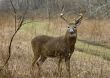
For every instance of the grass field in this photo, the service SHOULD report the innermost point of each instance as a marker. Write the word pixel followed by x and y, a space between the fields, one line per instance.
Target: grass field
pixel 91 58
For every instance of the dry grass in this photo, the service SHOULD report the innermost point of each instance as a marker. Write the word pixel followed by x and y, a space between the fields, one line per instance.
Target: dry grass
pixel 95 30
pixel 82 65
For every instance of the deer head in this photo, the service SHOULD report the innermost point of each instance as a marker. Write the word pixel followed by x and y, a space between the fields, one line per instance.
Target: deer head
pixel 72 27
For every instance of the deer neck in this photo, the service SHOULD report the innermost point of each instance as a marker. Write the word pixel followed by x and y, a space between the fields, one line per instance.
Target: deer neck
pixel 70 41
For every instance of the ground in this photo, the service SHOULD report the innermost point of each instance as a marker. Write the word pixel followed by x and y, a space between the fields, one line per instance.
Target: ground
pixel 91 58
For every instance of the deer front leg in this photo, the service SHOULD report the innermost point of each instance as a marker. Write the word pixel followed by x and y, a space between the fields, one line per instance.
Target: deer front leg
pixel 59 67
pixel 67 62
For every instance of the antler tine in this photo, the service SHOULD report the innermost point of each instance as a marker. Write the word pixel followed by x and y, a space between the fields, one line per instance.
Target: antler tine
pixel 79 18
pixel 62 15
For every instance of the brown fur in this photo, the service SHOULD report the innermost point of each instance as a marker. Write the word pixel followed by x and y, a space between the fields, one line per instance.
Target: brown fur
pixel 53 46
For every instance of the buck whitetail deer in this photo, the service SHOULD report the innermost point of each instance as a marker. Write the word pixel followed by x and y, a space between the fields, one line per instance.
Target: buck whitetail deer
pixel 62 47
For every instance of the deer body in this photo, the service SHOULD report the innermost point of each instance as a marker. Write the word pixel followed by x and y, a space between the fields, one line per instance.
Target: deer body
pixel 61 47
pixel 38 42
pixel 53 46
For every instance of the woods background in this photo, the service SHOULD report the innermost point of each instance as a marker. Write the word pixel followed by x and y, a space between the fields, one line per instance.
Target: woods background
pixel 91 8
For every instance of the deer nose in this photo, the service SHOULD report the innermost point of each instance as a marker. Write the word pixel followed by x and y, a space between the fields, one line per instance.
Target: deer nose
pixel 71 30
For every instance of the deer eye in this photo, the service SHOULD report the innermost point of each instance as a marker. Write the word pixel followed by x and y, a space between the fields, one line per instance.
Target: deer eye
pixel 74 27
pixel 68 27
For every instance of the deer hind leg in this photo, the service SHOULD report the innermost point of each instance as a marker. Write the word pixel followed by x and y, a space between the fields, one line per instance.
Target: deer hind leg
pixel 35 59
pixel 41 60
pixel 39 63
pixel 36 52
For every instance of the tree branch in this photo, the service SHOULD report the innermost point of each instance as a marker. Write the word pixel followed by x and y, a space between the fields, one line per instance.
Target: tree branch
pixel 19 26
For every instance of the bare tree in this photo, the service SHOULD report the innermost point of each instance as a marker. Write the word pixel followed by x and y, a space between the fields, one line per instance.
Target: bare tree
pixel 17 28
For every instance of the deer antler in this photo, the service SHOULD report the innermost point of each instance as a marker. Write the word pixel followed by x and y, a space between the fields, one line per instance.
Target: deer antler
pixel 78 20
pixel 62 15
